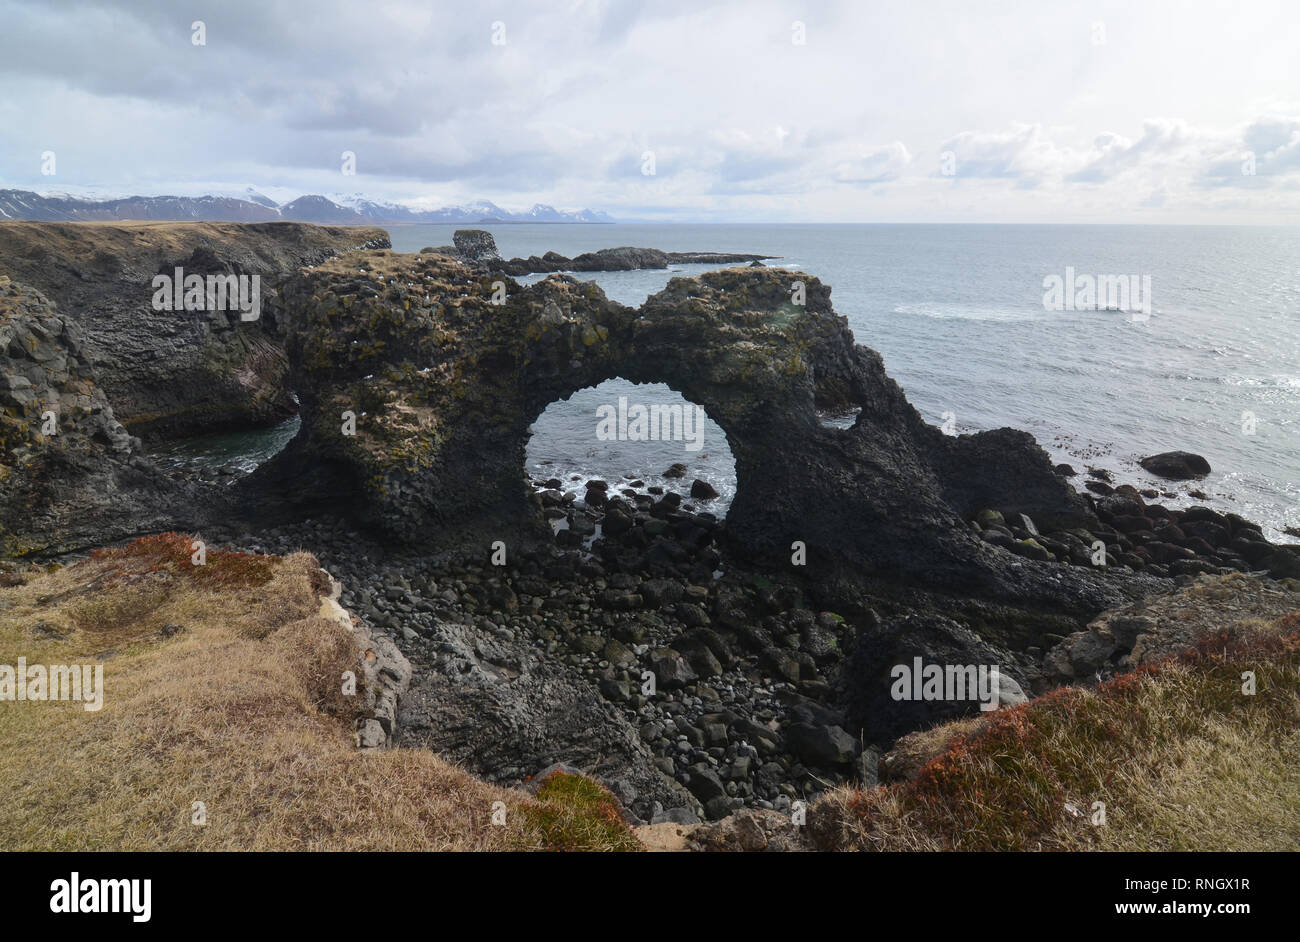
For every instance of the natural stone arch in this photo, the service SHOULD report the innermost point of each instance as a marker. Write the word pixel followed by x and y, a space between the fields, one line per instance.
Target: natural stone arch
pixel 358 339
pixel 445 384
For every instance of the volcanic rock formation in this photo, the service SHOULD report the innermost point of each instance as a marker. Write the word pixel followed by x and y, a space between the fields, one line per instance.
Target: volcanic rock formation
pixel 173 373
pixel 418 391
pixel 69 472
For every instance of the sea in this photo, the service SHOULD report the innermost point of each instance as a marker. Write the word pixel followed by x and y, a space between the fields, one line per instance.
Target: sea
pixel 963 316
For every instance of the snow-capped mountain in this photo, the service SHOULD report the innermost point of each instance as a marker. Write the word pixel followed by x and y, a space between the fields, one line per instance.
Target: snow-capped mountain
pixel 252 206
pixel 253 196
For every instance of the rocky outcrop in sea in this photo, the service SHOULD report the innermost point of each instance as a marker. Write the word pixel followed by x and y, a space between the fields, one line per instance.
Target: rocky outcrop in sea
pixel 478 248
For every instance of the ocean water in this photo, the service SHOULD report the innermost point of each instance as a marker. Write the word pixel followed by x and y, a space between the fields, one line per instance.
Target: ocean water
pixel 235 451
pixel 957 312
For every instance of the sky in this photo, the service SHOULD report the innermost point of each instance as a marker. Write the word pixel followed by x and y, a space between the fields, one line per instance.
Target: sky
pixel 745 111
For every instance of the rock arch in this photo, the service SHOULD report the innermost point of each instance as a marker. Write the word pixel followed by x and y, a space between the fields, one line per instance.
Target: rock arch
pixel 444 384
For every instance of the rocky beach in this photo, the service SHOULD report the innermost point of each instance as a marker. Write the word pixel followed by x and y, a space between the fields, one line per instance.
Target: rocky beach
pixel 696 665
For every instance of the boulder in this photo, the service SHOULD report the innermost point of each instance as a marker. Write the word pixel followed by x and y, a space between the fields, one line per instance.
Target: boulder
pixel 1177 465
pixel 702 490
pixel 820 746
pixel 869 677
pixel 750 831
pixel 672 671
pixel 475 246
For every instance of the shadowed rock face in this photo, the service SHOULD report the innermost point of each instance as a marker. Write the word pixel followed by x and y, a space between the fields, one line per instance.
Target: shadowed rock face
pixel 444 385
pixel 69 472
pixel 172 374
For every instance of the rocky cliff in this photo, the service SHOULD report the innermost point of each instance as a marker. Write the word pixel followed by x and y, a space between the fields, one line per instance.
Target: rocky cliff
pixel 173 373
pixel 69 472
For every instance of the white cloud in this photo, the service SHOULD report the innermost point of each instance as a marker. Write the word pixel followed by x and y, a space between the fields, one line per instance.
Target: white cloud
pixel 875 164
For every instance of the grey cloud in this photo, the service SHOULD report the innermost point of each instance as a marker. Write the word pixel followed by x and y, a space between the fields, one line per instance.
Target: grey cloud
pixel 734 113
pixel 1116 155
pixel 1271 144
pixel 875 165
pixel 1001 155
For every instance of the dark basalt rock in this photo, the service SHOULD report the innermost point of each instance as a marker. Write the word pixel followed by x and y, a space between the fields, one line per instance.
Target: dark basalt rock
pixel 171 374
pixel 444 385
pixel 476 245
pixel 495 707
pixel 703 490
pixel 821 746
pixel 868 680
pixel 80 481
pixel 1177 465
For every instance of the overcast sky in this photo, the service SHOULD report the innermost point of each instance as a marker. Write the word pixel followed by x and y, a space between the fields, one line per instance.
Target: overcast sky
pixel 904 111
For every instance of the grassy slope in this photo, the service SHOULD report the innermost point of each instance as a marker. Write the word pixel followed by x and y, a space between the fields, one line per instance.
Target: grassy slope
pixel 242 710
pixel 1181 757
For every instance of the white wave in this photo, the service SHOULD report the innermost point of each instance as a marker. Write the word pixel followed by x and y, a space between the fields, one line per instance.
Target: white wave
pixel 969 313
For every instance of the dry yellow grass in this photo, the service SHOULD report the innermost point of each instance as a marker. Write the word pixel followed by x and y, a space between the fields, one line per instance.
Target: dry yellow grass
pixel 242 710
pixel 1180 757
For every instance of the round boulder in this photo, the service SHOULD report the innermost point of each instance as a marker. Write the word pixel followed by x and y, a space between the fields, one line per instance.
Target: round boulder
pixel 1177 465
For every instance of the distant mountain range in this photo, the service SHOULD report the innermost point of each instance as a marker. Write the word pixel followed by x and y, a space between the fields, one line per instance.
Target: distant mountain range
pixel 254 207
